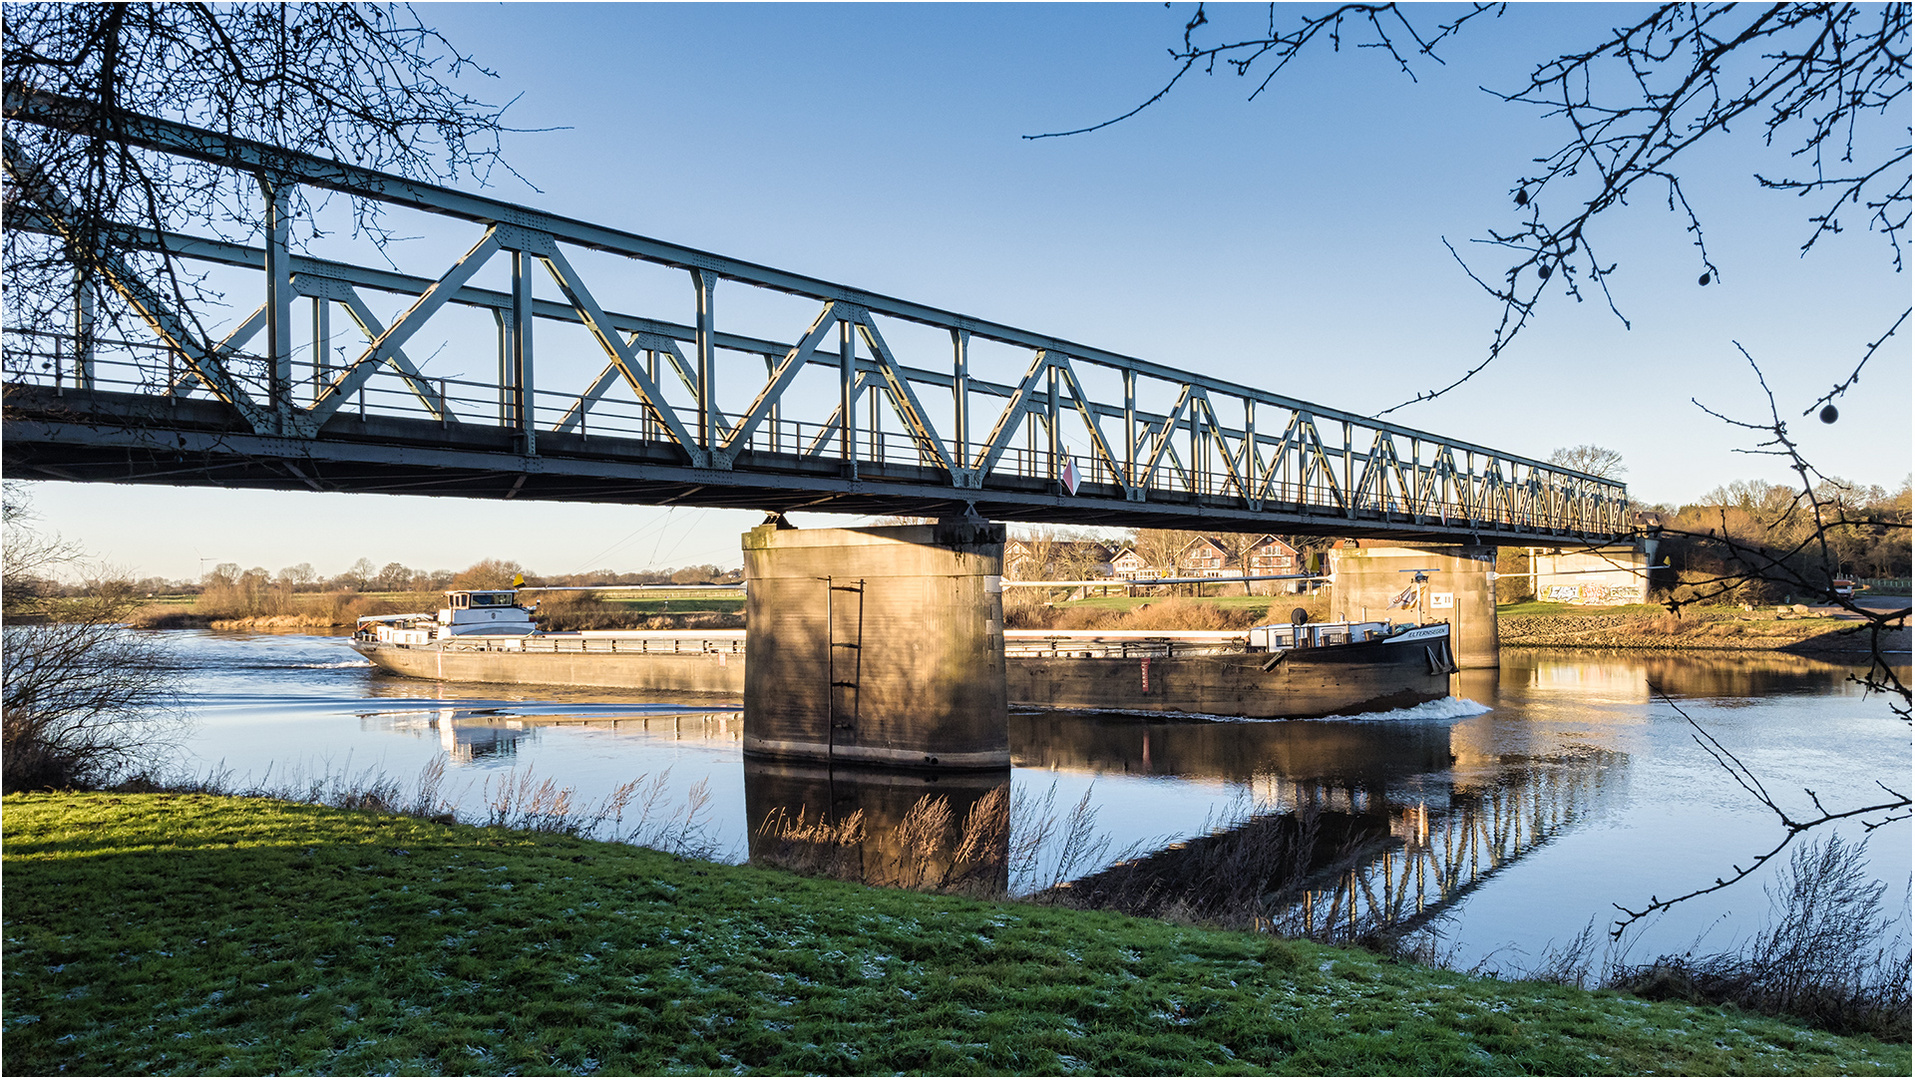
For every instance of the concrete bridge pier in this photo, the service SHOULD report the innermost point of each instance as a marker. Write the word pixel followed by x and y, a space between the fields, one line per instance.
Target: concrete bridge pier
pixel 879 646
pixel 1368 581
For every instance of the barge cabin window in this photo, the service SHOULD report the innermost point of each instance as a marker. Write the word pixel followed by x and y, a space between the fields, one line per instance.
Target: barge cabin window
pixel 482 599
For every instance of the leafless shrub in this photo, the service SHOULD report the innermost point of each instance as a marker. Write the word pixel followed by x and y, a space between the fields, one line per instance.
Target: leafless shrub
pixel 1820 958
pixel 685 830
pixel 984 837
pixel 1046 850
pixel 85 702
pixel 921 837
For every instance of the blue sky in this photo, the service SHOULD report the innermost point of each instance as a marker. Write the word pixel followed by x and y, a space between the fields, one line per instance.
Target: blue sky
pixel 1293 242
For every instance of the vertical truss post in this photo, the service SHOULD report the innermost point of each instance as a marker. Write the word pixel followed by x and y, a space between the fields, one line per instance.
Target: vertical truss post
pixel 1130 431
pixel 1349 470
pixel 1050 423
pixel 82 328
pixel 1416 480
pixel 279 302
pixel 1195 466
pixel 502 318
pixel 704 282
pixel 648 428
pixel 771 370
pixel 322 345
pixel 875 420
pixel 1469 484
pixel 961 397
pixel 848 397
pixel 1251 470
pixel 519 353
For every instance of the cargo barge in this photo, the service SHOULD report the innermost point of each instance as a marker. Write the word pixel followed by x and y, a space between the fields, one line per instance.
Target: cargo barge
pixel 1267 672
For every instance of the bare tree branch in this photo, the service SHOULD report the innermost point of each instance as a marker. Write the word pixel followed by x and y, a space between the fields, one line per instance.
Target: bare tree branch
pixel 1792 826
pixel 1829 80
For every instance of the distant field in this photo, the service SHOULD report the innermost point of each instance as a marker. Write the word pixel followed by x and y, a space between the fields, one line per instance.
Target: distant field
pixel 680 603
pixel 1131 603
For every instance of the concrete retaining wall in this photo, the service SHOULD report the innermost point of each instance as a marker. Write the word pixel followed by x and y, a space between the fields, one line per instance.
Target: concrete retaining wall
pixel 1459 591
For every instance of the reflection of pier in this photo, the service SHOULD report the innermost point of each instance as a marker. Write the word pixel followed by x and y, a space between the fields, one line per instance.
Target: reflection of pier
pixel 471 735
pixel 949 831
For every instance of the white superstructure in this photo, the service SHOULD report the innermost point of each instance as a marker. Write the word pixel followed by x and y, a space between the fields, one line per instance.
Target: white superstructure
pixel 467 611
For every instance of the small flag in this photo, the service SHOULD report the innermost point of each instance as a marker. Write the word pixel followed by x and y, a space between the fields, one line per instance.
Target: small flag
pixel 518 580
pixel 1406 598
pixel 1070 476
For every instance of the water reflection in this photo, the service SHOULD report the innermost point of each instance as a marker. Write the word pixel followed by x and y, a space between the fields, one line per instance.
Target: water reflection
pixel 1719 674
pixel 1351 827
pixel 1522 824
pixel 1432 859
pixel 473 735
pixel 1318 750
pixel 947 831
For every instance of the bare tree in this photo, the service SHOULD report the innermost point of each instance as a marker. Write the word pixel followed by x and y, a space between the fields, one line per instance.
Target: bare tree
pixel 1594 460
pixel 32 560
pixel 371 85
pixel 83 700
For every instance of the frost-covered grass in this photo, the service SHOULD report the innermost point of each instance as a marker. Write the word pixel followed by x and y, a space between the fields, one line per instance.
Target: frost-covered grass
pixel 204 934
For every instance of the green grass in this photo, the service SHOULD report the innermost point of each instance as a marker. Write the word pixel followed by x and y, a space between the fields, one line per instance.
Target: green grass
pixel 202 934
pixel 679 605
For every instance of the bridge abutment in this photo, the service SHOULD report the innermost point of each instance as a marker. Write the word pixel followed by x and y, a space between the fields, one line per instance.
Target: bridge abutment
pixel 879 646
pixel 1369 580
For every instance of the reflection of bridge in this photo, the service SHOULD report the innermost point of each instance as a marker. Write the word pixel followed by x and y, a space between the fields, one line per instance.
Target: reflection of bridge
pixel 818 395
pixel 1433 859
pixel 1348 834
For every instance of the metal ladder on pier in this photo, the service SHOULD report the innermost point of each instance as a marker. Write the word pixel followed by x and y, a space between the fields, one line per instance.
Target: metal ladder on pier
pixel 833 683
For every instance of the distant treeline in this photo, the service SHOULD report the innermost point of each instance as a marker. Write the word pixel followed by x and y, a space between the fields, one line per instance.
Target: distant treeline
pixel 1743 525
pixel 228 587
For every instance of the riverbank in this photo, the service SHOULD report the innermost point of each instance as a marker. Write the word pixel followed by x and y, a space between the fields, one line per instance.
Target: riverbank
pixel 1648 627
pixel 203 934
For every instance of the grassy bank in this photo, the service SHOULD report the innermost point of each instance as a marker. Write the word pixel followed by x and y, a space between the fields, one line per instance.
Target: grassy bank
pixel 202 934
pixel 1649 627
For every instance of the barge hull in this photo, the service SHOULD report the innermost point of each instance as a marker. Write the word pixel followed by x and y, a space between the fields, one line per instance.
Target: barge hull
pixel 721 673
pixel 1331 680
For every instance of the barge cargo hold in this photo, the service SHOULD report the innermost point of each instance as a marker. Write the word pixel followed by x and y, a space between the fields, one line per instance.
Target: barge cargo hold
pixel 1270 672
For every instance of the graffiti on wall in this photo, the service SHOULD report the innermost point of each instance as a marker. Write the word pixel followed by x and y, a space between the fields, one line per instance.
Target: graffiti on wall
pixel 1596 594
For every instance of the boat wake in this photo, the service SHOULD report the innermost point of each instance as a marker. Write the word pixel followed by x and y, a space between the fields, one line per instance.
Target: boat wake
pixel 1449 708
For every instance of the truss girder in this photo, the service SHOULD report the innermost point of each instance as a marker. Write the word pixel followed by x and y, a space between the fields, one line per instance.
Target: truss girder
pixel 1177 449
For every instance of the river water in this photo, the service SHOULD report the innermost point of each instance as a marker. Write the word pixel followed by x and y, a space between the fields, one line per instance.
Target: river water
pixel 1515 813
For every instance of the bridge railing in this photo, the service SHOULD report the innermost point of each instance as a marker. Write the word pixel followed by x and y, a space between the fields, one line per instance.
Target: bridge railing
pixel 149 368
pixel 858 390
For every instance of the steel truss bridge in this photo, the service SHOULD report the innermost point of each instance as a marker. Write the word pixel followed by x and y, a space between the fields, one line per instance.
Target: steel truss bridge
pixel 861 403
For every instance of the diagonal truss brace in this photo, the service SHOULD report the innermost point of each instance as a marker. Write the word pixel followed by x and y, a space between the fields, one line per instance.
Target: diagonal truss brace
pixel 205 361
